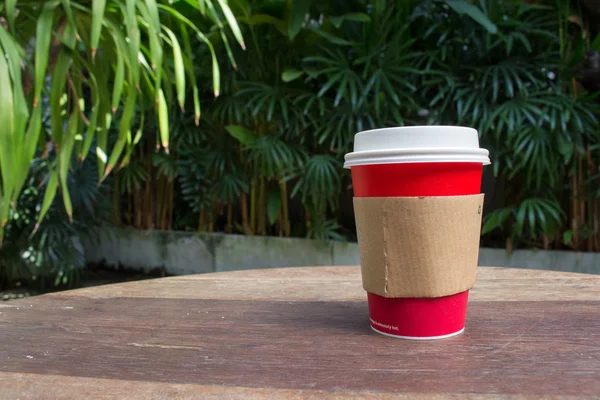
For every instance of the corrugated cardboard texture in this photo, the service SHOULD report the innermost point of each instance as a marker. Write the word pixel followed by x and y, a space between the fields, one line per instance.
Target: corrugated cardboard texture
pixel 418 246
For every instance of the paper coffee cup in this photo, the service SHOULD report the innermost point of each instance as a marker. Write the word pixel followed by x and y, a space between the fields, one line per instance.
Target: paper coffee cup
pixel 418 213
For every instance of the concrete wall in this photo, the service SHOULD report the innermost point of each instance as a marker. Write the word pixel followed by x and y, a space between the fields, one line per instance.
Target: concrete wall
pixel 555 260
pixel 182 253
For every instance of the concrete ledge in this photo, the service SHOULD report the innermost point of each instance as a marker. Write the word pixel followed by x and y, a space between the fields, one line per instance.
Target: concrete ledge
pixel 181 253
pixel 345 253
pixel 237 252
pixel 555 260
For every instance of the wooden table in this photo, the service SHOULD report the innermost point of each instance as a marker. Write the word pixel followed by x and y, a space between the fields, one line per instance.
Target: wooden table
pixel 298 333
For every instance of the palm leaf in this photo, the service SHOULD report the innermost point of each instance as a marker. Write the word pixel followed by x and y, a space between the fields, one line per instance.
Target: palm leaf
pixel 11 10
pixel 179 67
pixel 163 120
pixel 149 12
pixel 118 83
pixel 42 47
pixel 66 4
pixel 49 195
pixel 7 138
pixel 233 23
pixel 124 128
pixel 215 65
pixel 297 14
pixel 188 60
pixel 98 7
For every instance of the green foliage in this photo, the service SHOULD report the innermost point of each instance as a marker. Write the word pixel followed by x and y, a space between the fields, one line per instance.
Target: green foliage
pixel 473 11
pixel 76 78
pixel 320 181
pixel 531 219
pixel 317 73
pixel 53 257
pixel 245 136
pixel 100 56
pixel 296 81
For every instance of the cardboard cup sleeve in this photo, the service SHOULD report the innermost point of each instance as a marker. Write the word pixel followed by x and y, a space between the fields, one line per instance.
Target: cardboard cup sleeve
pixel 418 246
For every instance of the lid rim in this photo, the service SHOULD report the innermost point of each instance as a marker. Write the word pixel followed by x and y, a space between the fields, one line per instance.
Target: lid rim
pixel 417 150
pixel 419 127
pixel 380 157
pixel 421 161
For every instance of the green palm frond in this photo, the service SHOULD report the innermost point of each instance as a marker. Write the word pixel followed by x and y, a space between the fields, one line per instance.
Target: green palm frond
pixel 105 57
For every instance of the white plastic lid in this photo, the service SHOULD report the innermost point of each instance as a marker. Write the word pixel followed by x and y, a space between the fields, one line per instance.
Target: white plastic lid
pixel 416 144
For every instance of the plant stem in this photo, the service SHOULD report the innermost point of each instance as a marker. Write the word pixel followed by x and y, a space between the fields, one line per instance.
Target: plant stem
pixel 228 227
pixel 285 218
pixel 201 220
pixel 149 194
pixel 244 209
pixel 261 205
pixel 596 224
pixel 129 216
pixel 280 222
pixel 590 202
pixel 170 205
pixel 509 245
pixel 137 208
pixel 164 210
pixel 575 208
pixel 115 206
pixel 160 199
pixel 253 207
pixel 581 190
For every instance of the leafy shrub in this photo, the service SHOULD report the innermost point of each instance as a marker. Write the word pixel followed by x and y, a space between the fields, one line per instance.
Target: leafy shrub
pixel 52 257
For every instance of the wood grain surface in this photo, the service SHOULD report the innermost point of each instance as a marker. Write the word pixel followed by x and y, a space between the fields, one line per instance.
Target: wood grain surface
pixel 298 333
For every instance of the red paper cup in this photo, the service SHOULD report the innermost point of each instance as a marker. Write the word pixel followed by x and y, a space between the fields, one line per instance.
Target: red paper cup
pixel 412 162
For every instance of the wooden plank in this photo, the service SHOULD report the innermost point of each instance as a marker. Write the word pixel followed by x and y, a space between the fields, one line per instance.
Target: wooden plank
pixel 298 333
pixel 344 284
pixel 56 387
pixel 537 348
pixel 34 386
